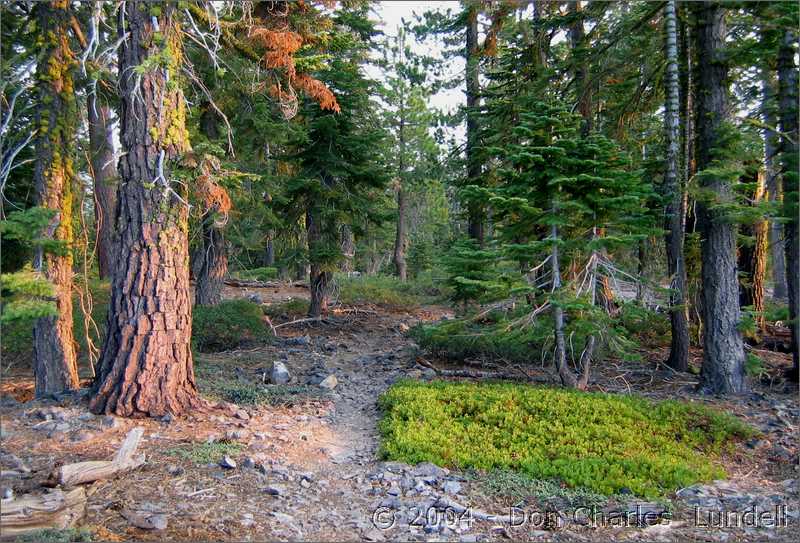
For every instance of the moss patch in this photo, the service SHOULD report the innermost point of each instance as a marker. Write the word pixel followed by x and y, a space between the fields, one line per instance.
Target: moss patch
pixel 601 442
pixel 204 453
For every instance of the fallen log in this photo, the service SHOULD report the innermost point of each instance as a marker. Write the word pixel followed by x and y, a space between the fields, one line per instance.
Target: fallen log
pixel 252 283
pixel 85 472
pixel 29 513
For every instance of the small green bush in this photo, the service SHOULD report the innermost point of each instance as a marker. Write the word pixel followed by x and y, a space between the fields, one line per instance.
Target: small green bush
pixel 258 274
pixel 229 325
pixel 598 441
pixel 293 308
pixel 57 535
pixel 645 324
pixel 389 291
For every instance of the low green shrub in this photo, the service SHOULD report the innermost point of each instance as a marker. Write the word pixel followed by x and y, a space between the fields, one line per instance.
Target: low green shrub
pixel 518 485
pixel 390 291
pixel 57 535
pixel 229 325
pixel 602 442
pixel 257 274
pixel 293 308
pixel 646 325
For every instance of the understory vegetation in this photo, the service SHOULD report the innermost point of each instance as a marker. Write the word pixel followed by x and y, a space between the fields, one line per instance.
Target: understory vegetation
pixel 605 443
pixel 229 325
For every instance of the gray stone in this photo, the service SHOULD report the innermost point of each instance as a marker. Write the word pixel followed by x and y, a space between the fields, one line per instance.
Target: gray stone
pixel 81 436
pixel 329 382
pixel 374 535
pixel 427 469
pixel 451 487
pixel 275 490
pixel 247 520
pixel 393 491
pixel 249 463
pixel 14 462
pixel 227 462
pixel 279 374
pixel 256 298
pixel 86 416
pixel 300 340
pixel 7 493
pixel 172 469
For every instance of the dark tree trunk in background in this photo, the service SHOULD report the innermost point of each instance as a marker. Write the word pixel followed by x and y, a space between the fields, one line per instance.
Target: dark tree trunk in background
pixel 348 248
pixel 773 182
pixel 55 364
pixel 475 210
pixel 674 210
pixel 269 252
pixel 787 93
pixel 318 278
pixel 212 264
pixel 583 88
pixel 146 365
pixel 104 171
pixel 723 350
pixel 753 259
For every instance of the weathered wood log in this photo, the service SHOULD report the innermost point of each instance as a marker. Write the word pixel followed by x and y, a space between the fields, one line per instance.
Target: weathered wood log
pixel 56 509
pixel 85 472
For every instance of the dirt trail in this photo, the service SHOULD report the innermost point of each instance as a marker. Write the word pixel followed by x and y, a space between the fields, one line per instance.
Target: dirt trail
pixel 310 470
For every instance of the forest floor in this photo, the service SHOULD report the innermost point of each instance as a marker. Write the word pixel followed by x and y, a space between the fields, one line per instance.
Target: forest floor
pixel 307 463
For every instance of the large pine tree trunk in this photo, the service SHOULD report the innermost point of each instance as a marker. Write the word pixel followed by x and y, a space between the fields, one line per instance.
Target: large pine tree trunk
pixel 674 210
pixel 146 362
pixel 723 350
pixel 55 365
pixel 212 265
pixel 773 182
pixel 101 153
pixel 753 259
pixel 787 89
pixel 475 211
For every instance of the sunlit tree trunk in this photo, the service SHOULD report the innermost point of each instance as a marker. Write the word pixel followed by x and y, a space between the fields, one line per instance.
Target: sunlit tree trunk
pixel 146 362
pixel 753 258
pixel 674 192
pixel 723 349
pixel 54 358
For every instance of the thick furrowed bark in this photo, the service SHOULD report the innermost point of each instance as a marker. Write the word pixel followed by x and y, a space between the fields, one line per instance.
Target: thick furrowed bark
pixel 723 349
pixel 212 264
pixel 55 364
pixel 146 361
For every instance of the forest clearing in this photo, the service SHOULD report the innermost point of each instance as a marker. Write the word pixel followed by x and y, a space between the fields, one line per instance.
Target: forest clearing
pixel 321 270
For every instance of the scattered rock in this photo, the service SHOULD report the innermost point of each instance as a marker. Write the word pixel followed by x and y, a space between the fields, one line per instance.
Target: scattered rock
pixel 374 535
pixel 168 418
pixel 7 493
pixel 8 401
pixel 275 490
pixel 300 340
pixel 279 374
pixel 81 436
pixel 451 487
pixel 242 414
pixel 329 382
pixel 427 469
pixel 85 417
pixel 247 520
pixel 235 434
pixel 174 470
pixel 14 462
pixel 249 463
pixel 109 421
pixel 256 298
pixel 227 462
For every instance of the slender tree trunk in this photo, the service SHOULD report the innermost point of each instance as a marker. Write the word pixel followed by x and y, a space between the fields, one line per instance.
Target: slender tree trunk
pixel 101 152
pixel 400 235
pixel 564 372
pixel 269 252
pixel 674 210
pixel 475 210
pixel 787 91
pixel 723 350
pixel 348 248
pixel 146 362
pixel 773 182
pixel 582 84
pixel 212 265
pixel 753 259
pixel 318 278
pixel 54 360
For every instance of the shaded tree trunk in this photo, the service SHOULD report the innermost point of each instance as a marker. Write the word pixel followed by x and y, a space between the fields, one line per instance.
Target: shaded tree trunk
pixel 212 264
pixel 564 372
pixel 269 251
pixel 583 89
pixel 753 259
pixel 55 364
pixel 787 93
pixel 146 362
pixel 475 210
pixel 348 248
pixel 104 174
pixel 400 236
pixel 318 278
pixel 674 210
pixel 723 349
pixel 773 182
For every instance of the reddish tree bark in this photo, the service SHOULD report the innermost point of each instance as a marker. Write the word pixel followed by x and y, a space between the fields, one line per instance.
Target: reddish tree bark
pixel 146 366
pixel 101 154
pixel 212 264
